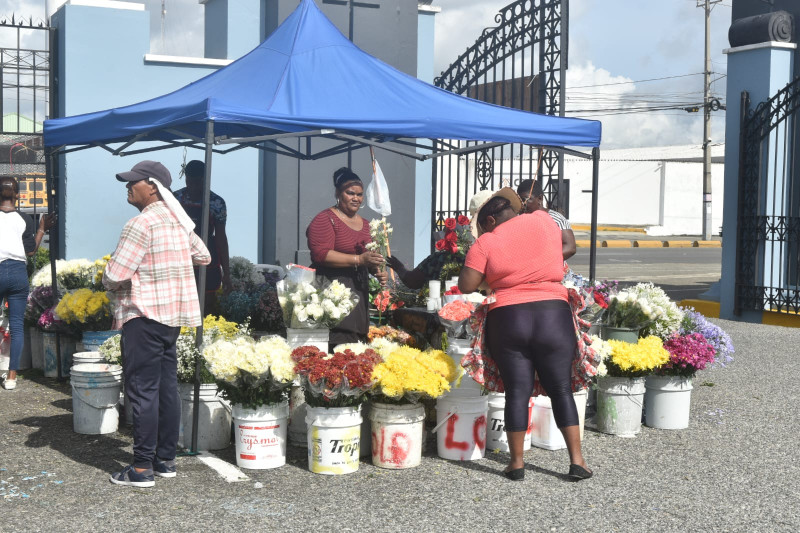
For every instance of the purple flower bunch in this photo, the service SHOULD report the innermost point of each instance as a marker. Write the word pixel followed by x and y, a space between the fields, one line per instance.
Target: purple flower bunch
pixel 47 321
pixel 687 354
pixel 39 300
pixel 694 322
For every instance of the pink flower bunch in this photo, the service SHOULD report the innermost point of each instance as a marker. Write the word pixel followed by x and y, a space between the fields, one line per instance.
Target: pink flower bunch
pixel 688 354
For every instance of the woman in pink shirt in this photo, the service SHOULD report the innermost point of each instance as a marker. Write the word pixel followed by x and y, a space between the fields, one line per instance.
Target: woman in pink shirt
pixel 529 327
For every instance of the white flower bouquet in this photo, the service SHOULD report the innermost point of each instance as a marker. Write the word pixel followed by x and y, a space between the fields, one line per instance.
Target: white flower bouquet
pixel 305 306
pixel 251 373
pixel 70 274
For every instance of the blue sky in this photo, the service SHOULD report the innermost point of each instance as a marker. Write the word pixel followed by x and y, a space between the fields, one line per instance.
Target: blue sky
pixel 612 44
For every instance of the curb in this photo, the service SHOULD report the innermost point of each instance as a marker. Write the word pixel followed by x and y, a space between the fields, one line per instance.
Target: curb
pixel 616 244
pixel 588 227
pixel 648 244
pixel 770 318
pixel 707 244
pixel 677 244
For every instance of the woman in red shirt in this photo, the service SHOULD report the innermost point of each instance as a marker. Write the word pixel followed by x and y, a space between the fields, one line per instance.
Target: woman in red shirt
pixel 529 327
pixel 337 238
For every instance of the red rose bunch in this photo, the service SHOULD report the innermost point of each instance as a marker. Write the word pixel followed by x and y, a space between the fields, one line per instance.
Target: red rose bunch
pixel 452 291
pixel 456 230
pixel 337 380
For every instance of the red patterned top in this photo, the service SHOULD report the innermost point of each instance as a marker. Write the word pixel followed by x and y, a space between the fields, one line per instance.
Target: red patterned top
pixel 328 232
pixel 521 259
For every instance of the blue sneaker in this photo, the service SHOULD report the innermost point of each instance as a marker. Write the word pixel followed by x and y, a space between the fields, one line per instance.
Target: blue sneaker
pixel 164 468
pixel 131 478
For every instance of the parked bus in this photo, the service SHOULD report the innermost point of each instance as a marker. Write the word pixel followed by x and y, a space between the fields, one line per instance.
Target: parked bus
pixel 32 191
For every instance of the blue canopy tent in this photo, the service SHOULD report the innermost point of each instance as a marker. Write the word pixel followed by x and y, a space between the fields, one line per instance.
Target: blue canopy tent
pixel 308 80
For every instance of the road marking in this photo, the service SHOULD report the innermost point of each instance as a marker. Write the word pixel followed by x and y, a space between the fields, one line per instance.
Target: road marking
pixel 227 471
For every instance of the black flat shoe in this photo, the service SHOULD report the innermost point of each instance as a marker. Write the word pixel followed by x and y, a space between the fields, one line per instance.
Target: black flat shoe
pixel 577 472
pixel 517 474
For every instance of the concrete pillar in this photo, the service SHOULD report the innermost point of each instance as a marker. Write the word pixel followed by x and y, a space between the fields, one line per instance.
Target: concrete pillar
pixel 762 69
pixel 233 27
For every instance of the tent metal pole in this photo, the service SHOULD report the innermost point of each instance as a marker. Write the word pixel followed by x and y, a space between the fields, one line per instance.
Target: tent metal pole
pixel 241 140
pixel 201 286
pixel 593 235
pixel 49 174
pixel 407 153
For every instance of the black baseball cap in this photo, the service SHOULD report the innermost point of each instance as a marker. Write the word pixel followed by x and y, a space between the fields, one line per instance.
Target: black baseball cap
pixel 147 169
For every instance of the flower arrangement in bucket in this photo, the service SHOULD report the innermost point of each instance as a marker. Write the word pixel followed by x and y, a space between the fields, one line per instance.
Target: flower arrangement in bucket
pixel 665 316
pixel 454 315
pixel 620 382
pixel 404 377
pixel 214 328
pixel 626 312
pixel 407 374
pixel 86 310
pixel 669 388
pixel 249 373
pixel 40 299
pixel 694 322
pixel 305 306
pixel 335 380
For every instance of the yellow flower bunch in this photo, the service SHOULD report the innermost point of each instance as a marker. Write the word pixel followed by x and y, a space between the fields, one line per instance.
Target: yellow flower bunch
pixel 225 328
pixel 86 308
pixel 100 266
pixel 634 360
pixel 407 373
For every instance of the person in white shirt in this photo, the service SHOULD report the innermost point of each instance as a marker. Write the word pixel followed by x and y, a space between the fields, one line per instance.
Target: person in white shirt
pixel 532 196
pixel 17 241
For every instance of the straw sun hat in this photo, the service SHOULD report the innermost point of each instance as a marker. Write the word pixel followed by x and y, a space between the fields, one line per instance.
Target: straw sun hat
pixel 481 198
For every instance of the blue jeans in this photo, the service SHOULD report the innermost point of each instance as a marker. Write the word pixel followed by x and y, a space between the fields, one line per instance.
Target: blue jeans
pixel 14 288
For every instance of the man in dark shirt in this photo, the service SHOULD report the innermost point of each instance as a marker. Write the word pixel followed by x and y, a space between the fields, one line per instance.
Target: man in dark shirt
pixel 191 199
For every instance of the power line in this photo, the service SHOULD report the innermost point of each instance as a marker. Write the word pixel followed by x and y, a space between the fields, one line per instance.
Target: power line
pixel 635 81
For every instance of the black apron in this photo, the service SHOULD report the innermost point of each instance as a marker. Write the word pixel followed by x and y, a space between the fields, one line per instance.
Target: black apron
pixel 355 326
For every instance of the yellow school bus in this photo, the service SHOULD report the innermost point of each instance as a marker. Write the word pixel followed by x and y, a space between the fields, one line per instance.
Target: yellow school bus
pixel 32 191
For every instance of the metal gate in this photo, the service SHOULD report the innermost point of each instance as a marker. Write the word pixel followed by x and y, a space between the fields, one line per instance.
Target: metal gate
pixel 25 103
pixel 520 63
pixel 768 234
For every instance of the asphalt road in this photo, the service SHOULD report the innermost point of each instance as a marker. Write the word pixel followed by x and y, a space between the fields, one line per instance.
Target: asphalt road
pixel 683 273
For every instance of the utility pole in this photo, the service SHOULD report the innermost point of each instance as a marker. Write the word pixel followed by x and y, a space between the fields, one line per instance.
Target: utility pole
pixel 707 5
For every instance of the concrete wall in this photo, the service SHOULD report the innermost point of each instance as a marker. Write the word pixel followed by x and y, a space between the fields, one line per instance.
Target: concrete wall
pixel 102 65
pixel 304 188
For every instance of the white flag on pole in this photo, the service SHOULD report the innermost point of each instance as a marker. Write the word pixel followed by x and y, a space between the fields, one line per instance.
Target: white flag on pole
pixel 377 191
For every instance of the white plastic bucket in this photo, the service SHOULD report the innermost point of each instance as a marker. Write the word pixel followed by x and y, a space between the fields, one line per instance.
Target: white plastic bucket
pixel 334 436
pixel 464 385
pixel 667 402
pixel 619 405
pixel 79 358
pixel 260 435
pixel 496 437
pixel 95 394
pixel 461 427
pixel 545 433
pixel 37 352
pixel 214 418
pixel 93 339
pixel 50 359
pixel 397 435
pixel 308 337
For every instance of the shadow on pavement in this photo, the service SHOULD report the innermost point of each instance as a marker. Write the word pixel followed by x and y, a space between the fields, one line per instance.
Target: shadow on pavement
pixel 105 452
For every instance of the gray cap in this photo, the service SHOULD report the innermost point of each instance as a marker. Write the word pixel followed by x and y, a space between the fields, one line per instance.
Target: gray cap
pixel 147 169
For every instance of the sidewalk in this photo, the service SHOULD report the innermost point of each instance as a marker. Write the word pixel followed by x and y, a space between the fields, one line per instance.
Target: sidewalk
pixel 734 469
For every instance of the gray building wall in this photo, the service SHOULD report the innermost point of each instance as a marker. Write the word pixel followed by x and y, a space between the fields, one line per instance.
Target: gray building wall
pixel 294 191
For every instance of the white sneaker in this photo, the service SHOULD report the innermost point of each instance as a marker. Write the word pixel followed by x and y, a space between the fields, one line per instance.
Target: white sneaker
pixel 9 384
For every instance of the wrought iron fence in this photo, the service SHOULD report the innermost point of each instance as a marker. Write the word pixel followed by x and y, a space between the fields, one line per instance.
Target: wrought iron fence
pixel 519 63
pixel 25 103
pixel 768 234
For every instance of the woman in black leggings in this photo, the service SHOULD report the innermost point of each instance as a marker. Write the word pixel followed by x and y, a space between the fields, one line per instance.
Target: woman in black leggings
pixel 529 327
